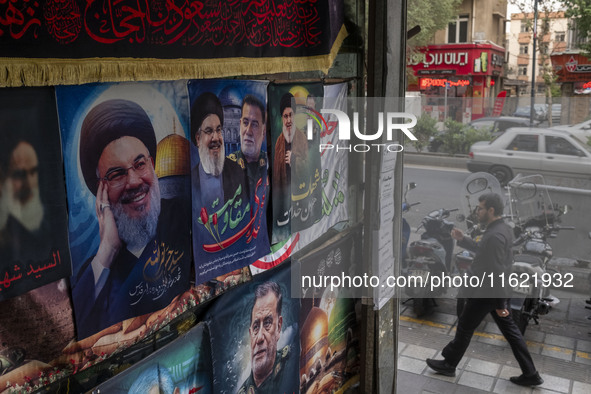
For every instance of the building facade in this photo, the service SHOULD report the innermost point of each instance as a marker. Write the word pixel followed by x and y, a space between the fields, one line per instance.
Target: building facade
pixel 461 71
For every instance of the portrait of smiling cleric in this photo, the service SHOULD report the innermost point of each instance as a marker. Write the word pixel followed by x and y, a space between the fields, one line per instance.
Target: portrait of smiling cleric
pixel 142 261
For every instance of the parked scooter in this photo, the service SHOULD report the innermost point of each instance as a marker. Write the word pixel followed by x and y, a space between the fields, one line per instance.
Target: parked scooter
pixel 430 256
pixel 536 220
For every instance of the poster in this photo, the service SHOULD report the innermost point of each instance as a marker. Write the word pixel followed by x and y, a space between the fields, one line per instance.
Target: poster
pixel 295 158
pixel 33 218
pixel 329 329
pixel 182 367
pixel 127 166
pixel 334 164
pixel 229 175
pixel 255 343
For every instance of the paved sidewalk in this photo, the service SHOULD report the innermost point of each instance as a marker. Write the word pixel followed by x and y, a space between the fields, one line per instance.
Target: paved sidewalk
pixel 560 347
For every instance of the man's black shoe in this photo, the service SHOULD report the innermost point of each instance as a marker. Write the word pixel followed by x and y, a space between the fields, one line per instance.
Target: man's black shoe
pixel 532 380
pixel 441 367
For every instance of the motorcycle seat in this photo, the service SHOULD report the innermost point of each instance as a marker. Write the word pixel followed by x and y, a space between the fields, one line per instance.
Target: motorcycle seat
pixel 529 259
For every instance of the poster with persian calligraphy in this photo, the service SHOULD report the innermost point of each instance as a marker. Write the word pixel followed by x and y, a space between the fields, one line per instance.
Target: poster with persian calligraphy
pixel 334 167
pixel 229 175
pixel 127 173
pixel 168 29
pixel 295 157
pixel 182 367
pixel 33 217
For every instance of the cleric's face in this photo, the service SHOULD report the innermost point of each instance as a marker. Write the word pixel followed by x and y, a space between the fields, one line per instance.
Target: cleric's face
pixel 288 123
pixel 24 172
pixel 129 171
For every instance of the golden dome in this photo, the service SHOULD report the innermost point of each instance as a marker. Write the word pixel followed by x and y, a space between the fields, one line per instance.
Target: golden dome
pixel 172 156
pixel 314 340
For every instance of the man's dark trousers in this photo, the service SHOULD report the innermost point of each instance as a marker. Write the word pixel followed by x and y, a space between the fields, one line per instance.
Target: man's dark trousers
pixel 474 312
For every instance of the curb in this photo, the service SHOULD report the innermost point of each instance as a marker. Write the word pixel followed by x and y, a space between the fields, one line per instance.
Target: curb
pixel 436 160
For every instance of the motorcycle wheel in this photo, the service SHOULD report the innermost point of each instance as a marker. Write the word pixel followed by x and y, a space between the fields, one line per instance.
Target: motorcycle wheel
pixel 422 306
pixel 520 319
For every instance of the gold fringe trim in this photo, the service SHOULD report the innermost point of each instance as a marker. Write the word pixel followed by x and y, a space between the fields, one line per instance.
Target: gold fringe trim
pixel 43 72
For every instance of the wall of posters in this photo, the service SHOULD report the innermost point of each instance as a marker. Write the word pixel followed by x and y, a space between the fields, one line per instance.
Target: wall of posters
pixel 127 171
pixel 254 336
pixel 33 221
pixel 296 159
pixel 182 367
pixel 229 175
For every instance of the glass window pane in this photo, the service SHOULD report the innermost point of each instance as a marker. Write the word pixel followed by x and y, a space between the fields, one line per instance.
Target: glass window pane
pixel 463 32
pixel 527 143
pixel 451 33
pixel 560 146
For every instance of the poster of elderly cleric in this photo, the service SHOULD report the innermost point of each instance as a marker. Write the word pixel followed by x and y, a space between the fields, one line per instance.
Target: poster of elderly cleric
pixel 33 218
pixel 127 174
pixel 254 337
pixel 297 199
pixel 181 367
pixel 229 175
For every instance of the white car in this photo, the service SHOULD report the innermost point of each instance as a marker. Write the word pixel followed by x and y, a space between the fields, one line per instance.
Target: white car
pixel 532 150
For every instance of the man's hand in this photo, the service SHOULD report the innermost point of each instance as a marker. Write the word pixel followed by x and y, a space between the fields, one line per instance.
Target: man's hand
pixel 457 234
pixel 110 242
pixel 502 312
pixel 288 157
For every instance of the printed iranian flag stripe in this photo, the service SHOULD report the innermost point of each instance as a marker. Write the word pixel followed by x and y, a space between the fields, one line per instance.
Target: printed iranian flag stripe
pixel 281 252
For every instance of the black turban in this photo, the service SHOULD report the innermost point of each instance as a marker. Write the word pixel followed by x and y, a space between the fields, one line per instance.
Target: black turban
pixel 206 104
pixel 107 122
pixel 285 102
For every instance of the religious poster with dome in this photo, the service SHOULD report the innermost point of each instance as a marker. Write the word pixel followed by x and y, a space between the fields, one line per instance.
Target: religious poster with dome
pixel 127 168
pixel 229 175
pixel 254 336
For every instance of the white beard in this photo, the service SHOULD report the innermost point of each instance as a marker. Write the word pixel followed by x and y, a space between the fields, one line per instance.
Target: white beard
pixel 212 166
pixel 137 232
pixel 29 214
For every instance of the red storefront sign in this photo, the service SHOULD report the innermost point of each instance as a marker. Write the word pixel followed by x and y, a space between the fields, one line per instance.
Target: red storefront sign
pixel 425 83
pixel 458 59
pixel 571 67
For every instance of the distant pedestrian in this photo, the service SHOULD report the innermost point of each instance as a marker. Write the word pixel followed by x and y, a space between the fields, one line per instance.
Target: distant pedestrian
pixel 493 255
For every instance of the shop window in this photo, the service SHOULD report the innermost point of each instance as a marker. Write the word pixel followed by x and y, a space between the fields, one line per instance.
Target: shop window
pixel 524 142
pixel 560 146
pixel 457 30
pixel 523 49
pixel 524 26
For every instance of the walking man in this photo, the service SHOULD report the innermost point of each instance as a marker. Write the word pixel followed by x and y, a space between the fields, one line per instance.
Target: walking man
pixel 493 255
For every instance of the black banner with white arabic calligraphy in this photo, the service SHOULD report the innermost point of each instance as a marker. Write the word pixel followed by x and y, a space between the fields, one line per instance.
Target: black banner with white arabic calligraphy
pixel 168 29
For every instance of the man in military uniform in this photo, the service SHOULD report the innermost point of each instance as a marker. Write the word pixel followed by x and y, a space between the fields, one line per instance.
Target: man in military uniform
pixel 250 157
pixel 267 362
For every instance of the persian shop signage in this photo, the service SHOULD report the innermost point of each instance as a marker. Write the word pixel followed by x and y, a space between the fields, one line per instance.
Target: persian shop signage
pixel 425 83
pixel 571 67
pixel 465 59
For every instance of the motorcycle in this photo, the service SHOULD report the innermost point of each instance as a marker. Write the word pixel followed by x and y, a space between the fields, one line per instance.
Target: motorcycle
pixel 428 257
pixel 536 220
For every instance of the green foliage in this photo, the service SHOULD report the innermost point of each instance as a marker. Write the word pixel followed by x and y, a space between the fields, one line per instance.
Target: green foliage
pixel 458 137
pixel 580 12
pixel 424 129
pixel 431 16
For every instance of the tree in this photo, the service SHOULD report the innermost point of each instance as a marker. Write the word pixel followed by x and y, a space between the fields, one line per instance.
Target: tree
pixel 580 13
pixel 544 40
pixel 431 16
